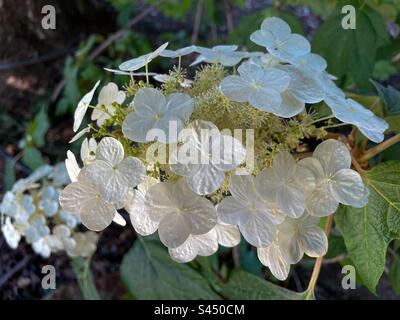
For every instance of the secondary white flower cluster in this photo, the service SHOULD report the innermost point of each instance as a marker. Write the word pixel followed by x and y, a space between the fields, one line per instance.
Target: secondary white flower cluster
pixel 277 210
pixel 31 209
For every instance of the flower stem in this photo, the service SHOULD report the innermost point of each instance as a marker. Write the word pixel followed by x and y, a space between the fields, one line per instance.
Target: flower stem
pixel 147 73
pixel 179 63
pixel 318 262
pixel 322 119
pixel 372 152
pixel 336 125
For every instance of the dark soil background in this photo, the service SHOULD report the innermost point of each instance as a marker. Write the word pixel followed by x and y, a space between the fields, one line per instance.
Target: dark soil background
pixel 23 40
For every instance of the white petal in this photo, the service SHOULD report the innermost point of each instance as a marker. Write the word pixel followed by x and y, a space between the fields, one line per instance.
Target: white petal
pixel 228 234
pixel 74 196
pixel 206 180
pixel 97 215
pixel 72 166
pixel 291 201
pixel 272 258
pixel 173 230
pixel 235 88
pixel 233 211
pixel 347 186
pixel 227 153
pixel 118 219
pixel 136 128
pixel 267 184
pixel 131 172
pixel 290 106
pixel 111 190
pixel 180 105
pixel 284 165
pixel 276 79
pixel 82 107
pixel 276 26
pixel 313 241
pixel 333 156
pixel 110 150
pixel 257 232
pixel 265 99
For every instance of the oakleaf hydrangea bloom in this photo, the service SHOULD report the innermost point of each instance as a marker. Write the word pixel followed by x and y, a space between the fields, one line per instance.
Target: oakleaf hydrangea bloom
pixel 49 202
pixel 283 184
pixel 336 182
pixel 83 198
pixel 276 35
pixel 256 218
pixel 153 115
pixel 137 63
pixel 83 106
pixel 112 173
pixel 107 96
pixel 205 156
pixel 261 88
pixel 19 207
pixel 179 211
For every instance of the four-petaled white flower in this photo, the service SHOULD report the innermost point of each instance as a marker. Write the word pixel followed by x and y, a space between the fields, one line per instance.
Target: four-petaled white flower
pixel 155 116
pixel 277 37
pixel 107 96
pixel 261 88
pixel 293 238
pixel 335 181
pixel 205 156
pixel 179 212
pixel 137 63
pixel 83 198
pixel 283 184
pixel 256 218
pixel 83 106
pixel 112 173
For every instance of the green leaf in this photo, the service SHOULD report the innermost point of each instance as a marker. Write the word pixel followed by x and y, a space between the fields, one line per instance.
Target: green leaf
pixel 149 273
pixel 9 178
pixel 71 90
pixel 38 128
pixel 85 278
pixel 249 259
pixel 32 158
pixel 246 286
pixel 394 273
pixel 352 51
pixel 390 98
pixel 368 231
pixel 383 69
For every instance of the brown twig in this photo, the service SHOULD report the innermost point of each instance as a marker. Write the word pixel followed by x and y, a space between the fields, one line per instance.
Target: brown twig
pixel 379 148
pixel 197 21
pixel 96 52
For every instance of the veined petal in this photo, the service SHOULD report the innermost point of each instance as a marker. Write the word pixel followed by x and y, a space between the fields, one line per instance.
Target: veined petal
pixel 232 211
pixel 235 88
pixel 267 184
pixel 131 172
pixel 110 150
pixel 291 201
pixel 257 232
pixel 347 186
pixel 333 156
pixel 174 229
pixel 96 214
pixel 228 235
pixel 206 180
pixel 272 258
pixel 265 99
pixel 314 241
pixel 83 106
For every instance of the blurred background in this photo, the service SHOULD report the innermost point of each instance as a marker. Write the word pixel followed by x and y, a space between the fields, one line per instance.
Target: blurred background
pixel 44 73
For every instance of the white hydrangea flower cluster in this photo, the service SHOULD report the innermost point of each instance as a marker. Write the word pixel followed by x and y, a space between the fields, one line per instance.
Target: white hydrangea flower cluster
pixel 276 209
pixel 32 206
